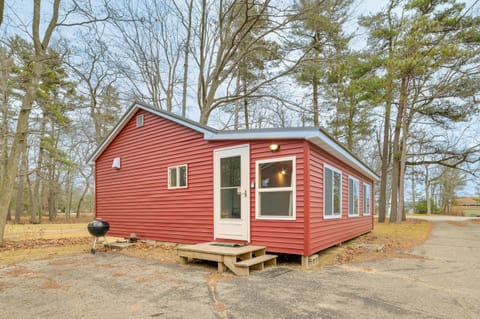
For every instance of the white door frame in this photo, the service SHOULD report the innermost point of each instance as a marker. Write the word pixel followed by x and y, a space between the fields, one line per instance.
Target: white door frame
pixel 237 229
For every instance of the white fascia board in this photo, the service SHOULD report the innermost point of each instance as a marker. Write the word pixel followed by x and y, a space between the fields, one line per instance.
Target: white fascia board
pixel 326 143
pixel 263 135
pixel 314 135
pixel 175 119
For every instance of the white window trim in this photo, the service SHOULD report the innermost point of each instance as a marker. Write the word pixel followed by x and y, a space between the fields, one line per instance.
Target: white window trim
pixel 293 188
pixel 178 176
pixel 333 216
pixel 140 120
pixel 350 214
pixel 368 213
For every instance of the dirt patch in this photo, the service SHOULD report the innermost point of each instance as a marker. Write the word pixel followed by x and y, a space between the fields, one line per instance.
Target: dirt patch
pixel 474 221
pixel 66 262
pixel 51 284
pixel 20 271
pixel 163 252
pixel 395 240
pixel 5 286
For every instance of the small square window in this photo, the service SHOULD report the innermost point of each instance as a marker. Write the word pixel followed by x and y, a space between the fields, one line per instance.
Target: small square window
pixel 177 177
pixel 140 120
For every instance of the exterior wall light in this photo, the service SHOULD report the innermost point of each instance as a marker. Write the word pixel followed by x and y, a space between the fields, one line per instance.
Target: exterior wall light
pixel 274 147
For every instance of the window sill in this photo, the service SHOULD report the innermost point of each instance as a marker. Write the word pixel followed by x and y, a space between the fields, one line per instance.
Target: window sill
pixel 180 187
pixel 332 217
pixel 286 218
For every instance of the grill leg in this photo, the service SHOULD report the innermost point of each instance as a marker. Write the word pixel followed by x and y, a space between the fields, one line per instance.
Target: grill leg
pixel 93 247
pixel 108 244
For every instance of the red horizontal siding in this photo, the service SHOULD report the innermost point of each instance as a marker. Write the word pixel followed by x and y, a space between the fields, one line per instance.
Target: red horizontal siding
pixel 135 199
pixel 282 236
pixel 324 233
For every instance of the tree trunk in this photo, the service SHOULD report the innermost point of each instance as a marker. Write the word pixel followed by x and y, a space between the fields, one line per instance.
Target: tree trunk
pixel 386 147
pixel 398 155
pixel 427 191
pixel 36 196
pixel 9 214
pixel 185 59
pixel 80 201
pixel 403 149
pixel 20 198
pixel 413 193
pixel 19 146
pixel 315 101
pixel 245 104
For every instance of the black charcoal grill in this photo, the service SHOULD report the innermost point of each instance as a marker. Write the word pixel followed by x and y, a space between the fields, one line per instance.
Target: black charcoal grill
pixel 98 228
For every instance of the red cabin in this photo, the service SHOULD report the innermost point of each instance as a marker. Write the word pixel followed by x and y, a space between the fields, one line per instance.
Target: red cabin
pixel 293 190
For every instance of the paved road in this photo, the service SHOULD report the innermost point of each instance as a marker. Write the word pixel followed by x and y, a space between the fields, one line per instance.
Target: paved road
pixel 443 218
pixel 443 283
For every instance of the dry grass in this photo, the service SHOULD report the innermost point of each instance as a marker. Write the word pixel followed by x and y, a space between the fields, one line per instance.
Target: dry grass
pixel 45 231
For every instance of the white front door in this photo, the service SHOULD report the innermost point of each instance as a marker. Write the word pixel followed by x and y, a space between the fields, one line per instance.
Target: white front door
pixel 231 193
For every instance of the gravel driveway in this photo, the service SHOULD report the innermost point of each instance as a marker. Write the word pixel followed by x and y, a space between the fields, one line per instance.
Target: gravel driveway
pixel 441 281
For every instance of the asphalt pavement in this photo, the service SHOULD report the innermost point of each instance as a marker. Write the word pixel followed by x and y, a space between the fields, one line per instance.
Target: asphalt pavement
pixel 439 279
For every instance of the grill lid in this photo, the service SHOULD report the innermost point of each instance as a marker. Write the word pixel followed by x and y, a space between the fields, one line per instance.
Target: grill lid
pixel 98 227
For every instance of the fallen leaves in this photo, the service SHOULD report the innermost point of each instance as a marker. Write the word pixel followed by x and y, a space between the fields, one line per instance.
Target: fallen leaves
pixel 42 243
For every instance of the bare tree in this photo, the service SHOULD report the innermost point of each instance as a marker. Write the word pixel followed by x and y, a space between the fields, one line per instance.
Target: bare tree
pixel 224 38
pixel 149 50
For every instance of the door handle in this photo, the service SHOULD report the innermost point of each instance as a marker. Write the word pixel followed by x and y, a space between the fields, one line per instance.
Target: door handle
pixel 245 193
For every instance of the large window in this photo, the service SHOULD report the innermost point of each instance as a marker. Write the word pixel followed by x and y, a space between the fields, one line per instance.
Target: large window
pixel 332 193
pixel 177 177
pixel 353 197
pixel 367 197
pixel 275 190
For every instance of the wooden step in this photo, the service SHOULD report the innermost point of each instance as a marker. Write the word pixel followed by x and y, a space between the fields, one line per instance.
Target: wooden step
pixel 258 260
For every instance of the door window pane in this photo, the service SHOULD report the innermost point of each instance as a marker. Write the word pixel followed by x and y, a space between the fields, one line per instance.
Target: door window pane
pixel 230 203
pixel 230 192
pixel 230 171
